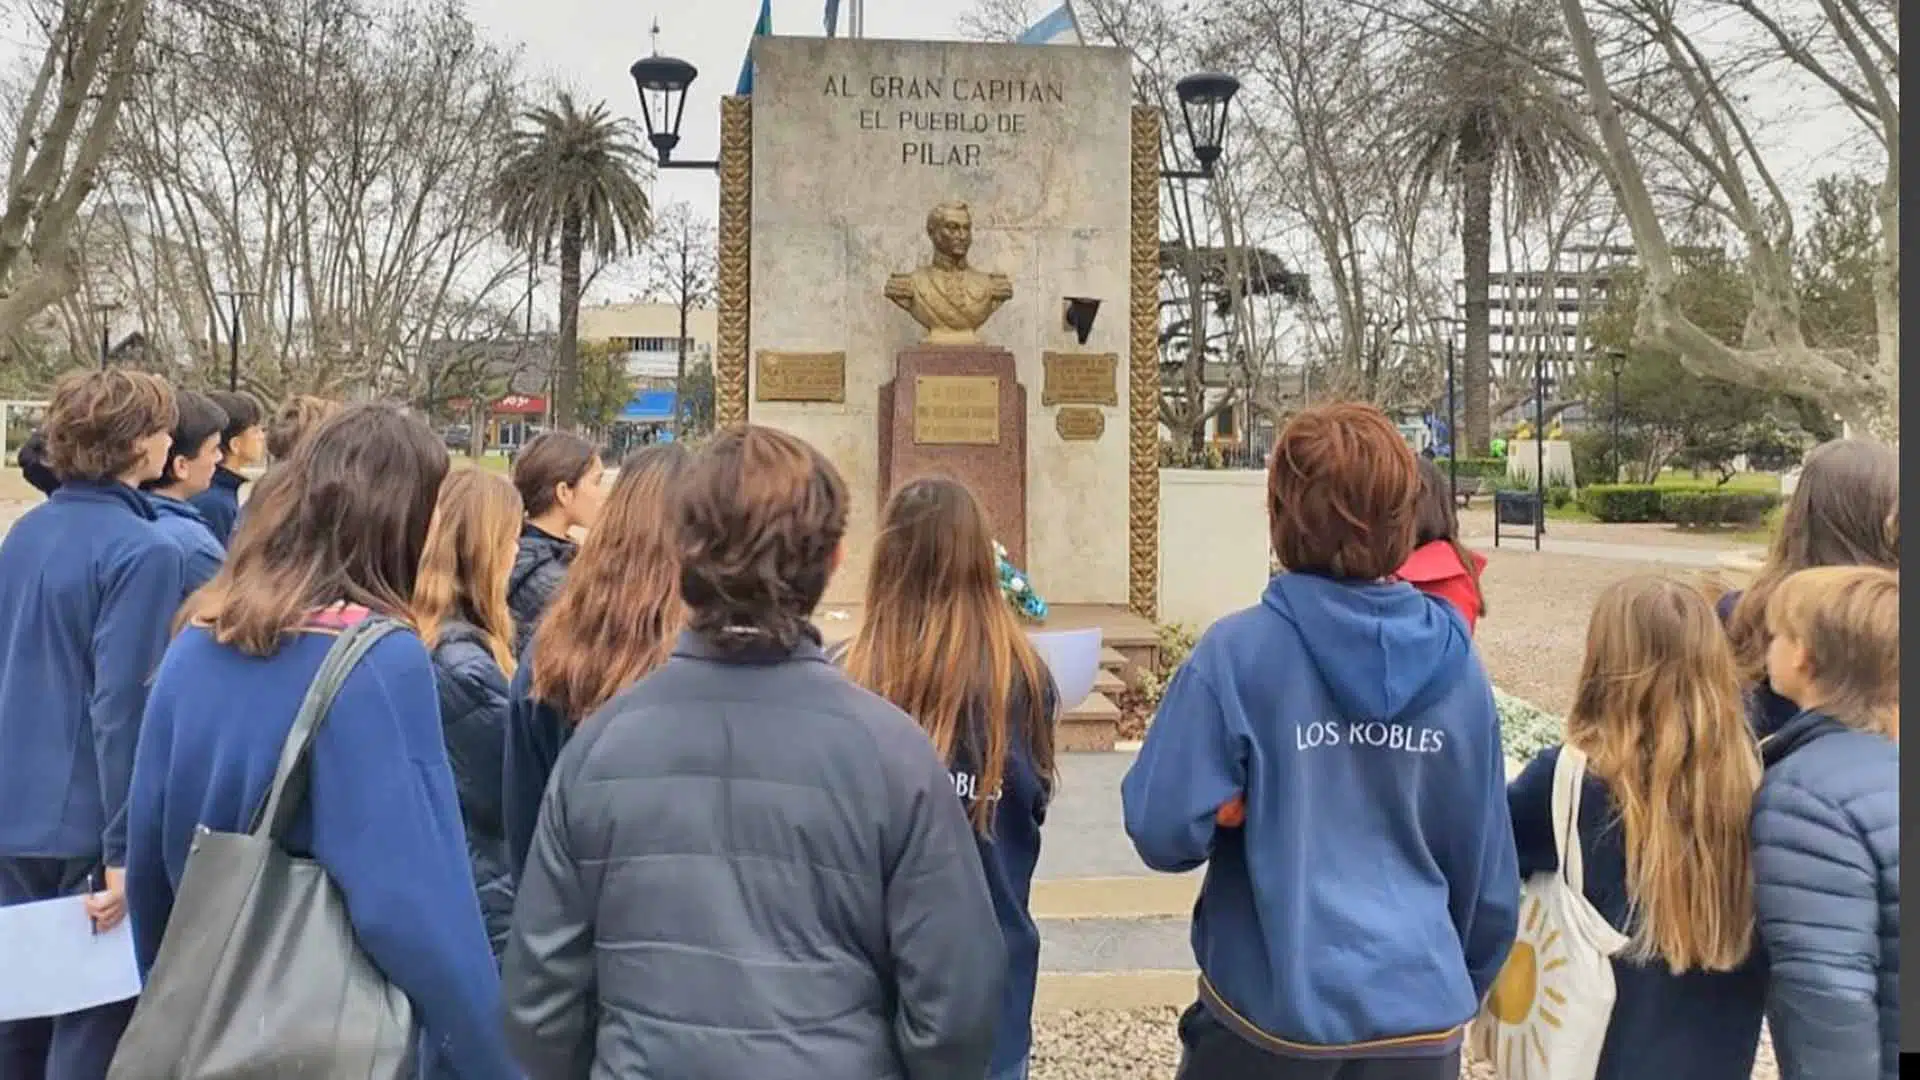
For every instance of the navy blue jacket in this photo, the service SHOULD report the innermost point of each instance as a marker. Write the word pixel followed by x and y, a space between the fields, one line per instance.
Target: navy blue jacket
pixel 1826 866
pixel 381 817
pixel 181 522
pixel 539 568
pixel 220 503
pixel 1767 711
pixel 473 717
pixel 1372 895
pixel 1700 1025
pixel 88 588
pixel 535 734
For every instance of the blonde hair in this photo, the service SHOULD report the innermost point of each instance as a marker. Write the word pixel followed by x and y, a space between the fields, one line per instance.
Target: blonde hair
pixel 1660 716
pixel 1847 618
pixel 468 555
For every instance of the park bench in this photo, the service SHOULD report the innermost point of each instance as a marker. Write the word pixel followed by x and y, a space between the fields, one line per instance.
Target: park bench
pixel 1467 489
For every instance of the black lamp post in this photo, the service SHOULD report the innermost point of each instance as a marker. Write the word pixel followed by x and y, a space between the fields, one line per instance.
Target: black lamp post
pixel 234 296
pixel 1203 106
pixel 1617 358
pixel 105 310
pixel 662 82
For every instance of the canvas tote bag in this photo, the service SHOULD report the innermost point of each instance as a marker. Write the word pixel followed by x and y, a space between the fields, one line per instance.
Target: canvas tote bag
pixel 259 975
pixel 1546 1017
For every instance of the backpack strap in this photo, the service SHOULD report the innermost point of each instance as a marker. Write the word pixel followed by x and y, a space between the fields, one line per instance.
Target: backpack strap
pixel 1569 776
pixel 289 788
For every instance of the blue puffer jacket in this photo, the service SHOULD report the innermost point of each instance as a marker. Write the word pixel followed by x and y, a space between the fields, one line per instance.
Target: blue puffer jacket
pixel 473 716
pixel 1826 863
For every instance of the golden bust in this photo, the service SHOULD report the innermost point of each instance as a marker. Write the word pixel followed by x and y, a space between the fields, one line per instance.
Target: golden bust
pixel 949 298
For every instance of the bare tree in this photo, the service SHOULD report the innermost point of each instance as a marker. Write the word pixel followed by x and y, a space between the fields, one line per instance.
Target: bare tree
pixel 682 259
pixel 61 135
pixel 328 159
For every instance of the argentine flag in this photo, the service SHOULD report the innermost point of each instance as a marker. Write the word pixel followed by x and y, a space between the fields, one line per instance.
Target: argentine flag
pixel 1058 27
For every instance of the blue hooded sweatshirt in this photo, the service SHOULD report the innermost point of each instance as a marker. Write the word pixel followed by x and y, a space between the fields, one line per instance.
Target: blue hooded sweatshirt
pixel 1365 907
pixel 381 816
pixel 220 503
pixel 536 732
pixel 87 589
pixel 181 522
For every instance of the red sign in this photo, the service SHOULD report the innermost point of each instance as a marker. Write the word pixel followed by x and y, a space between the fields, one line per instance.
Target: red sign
pixel 520 405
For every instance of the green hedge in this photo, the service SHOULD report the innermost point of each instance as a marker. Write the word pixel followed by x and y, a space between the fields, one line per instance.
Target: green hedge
pixel 1492 468
pixel 1618 503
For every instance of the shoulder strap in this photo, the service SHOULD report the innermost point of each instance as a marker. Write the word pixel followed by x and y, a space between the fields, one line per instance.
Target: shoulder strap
pixel 1569 774
pixel 289 788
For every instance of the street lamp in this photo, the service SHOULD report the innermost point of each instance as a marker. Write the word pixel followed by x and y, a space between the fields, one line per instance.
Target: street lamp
pixel 105 310
pixel 1453 433
pixel 234 296
pixel 662 83
pixel 1203 106
pixel 1615 358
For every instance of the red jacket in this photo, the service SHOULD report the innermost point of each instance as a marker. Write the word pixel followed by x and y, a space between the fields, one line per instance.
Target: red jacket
pixel 1435 569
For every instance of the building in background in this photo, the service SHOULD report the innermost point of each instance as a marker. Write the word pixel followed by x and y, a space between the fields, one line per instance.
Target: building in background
pixel 648 335
pixel 1544 313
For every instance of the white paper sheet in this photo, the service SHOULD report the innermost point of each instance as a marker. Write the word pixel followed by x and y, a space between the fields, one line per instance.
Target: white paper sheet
pixel 52 963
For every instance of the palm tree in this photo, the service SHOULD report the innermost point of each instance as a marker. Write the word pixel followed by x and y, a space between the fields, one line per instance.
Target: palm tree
pixel 1479 113
pixel 572 180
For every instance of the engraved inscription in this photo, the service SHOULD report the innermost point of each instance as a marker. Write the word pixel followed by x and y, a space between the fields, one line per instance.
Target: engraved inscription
pixel 1080 423
pixel 795 376
pixel 1080 379
pixel 956 410
pixel 946 122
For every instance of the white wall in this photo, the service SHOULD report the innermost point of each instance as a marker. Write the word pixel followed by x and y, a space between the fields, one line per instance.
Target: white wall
pixel 1213 543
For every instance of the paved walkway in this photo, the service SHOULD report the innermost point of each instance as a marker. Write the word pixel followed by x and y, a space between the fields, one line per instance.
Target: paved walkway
pixel 1667 555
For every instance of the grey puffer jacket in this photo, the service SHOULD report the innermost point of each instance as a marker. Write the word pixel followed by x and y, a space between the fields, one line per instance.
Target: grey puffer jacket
pixel 747 866
pixel 539 568
pixel 473 715
pixel 1826 863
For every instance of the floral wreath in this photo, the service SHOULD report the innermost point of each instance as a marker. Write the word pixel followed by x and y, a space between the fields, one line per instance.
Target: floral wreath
pixel 1017 589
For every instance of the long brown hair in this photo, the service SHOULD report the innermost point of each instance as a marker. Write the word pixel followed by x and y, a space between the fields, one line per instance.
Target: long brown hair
pixel 1435 520
pixel 469 553
pixel 1845 512
pixel 618 612
pixel 343 522
pixel 1660 716
pixel 550 459
pixel 760 530
pixel 938 639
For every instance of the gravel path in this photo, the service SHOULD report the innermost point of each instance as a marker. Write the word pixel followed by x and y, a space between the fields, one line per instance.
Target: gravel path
pixel 1142 1045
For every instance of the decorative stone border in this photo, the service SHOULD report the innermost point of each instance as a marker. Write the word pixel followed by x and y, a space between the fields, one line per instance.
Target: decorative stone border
pixel 736 261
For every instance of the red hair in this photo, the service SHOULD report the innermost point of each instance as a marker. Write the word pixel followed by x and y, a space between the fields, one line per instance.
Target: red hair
pixel 1343 493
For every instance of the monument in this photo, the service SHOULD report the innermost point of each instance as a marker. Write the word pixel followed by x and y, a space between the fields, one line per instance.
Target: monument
pixel 954 406
pixel 1026 362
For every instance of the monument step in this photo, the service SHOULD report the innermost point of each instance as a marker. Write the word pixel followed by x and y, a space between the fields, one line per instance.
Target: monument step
pixel 1110 659
pixel 1158 943
pixel 1129 897
pixel 1079 991
pixel 1093 726
pixel 1108 683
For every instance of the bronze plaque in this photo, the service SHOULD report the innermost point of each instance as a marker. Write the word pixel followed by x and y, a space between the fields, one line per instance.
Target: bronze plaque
pixel 1080 379
pixel 797 376
pixel 956 410
pixel 1080 423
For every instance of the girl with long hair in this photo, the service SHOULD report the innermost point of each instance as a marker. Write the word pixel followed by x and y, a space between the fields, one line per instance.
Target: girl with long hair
pixel 1845 512
pixel 1441 565
pixel 614 619
pixel 332 538
pixel 460 602
pixel 1663 830
pixel 745 864
pixel 561 482
pixel 939 639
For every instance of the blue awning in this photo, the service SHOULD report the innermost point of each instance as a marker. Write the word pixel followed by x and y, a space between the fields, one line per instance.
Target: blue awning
pixel 649 407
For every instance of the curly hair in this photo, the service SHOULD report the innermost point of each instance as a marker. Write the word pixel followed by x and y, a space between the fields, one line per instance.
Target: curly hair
pixel 97 418
pixel 1343 493
pixel 761 518
pixel 296 417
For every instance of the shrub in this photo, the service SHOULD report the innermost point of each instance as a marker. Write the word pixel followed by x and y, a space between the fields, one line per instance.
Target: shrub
pixel 1617 503
pixel 1698 508
pixel 1472 467
pixel 1558 496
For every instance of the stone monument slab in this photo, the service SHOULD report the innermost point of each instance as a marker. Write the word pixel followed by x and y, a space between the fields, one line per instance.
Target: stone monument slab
pixel 959 411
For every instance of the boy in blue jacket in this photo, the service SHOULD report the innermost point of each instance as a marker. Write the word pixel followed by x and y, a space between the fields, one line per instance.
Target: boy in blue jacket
pixel 1333 755
pixel 243 444
pixel 191 460
pixel 87 589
